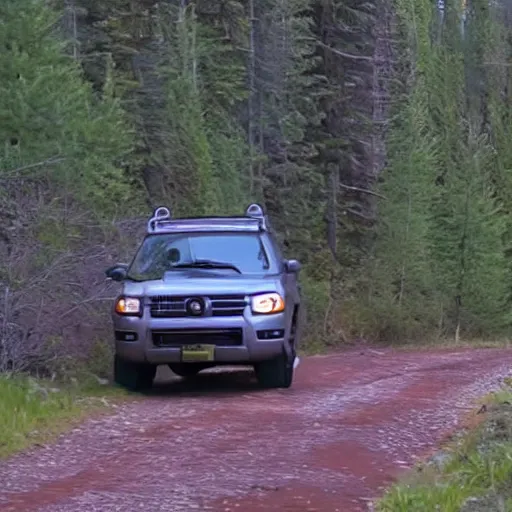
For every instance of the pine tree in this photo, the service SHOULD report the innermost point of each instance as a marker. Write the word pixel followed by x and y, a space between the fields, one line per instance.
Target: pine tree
pixel 402 290
pixel 48 113
pixel 469 246
pixel 288 89
pixel 200 150
pixel 469 224
pixel 499 53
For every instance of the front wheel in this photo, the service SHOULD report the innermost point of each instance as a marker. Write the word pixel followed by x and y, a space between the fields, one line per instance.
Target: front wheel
pixel 133 376
pixel 275 373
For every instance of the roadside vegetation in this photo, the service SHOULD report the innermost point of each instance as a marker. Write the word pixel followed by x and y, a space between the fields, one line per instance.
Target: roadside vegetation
pixel 472 474
pixel 34 411
pixel 452 344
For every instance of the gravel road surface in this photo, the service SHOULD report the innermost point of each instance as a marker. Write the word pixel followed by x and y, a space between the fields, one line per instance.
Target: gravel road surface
pixel 348 426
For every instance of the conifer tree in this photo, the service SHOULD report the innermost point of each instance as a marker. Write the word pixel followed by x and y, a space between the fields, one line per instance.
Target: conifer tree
pixel 48 112
pixel 469 226
pixel 402 291
pixel 289 89
pixel 469 257
pixel 204 149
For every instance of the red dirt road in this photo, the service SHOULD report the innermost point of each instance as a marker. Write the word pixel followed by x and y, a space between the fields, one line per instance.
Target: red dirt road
pixel 347 427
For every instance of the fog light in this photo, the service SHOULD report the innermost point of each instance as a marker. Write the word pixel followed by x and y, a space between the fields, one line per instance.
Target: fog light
pixel 126 336
pixel 273 334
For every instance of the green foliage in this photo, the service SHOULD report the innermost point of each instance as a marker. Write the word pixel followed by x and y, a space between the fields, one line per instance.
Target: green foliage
pixel 440 265
pixel 402 287
pixel 25 409
pixel 48 112
pixel 204 78
pixel 476 477
pixel 289 89
pixel 401 291
pixel 469 245
pixel 469 224
pixel 34 411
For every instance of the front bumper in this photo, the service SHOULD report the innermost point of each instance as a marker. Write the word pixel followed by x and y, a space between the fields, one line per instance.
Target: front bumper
pixel 252 348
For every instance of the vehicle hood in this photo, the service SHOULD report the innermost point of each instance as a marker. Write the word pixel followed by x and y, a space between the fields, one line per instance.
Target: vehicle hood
pixel 203 283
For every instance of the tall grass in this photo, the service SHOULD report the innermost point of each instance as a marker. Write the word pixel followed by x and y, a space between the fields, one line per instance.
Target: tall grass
pixel 33 411
pixel 478 477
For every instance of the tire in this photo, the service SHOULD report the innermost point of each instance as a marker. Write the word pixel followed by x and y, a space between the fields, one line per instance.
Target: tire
pixel 133 376
pixel 275 373
pixel 186 370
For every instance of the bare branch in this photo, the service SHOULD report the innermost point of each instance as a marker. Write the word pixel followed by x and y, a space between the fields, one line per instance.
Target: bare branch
pixel 343 54
pixel 363 190
pixel 359 214
pixel 50 161
pixel 97 298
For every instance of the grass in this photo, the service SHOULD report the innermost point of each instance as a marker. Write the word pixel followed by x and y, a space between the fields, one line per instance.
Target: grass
pixel 316 346
pixel 477 474
pixel 450 343
pixel 34 412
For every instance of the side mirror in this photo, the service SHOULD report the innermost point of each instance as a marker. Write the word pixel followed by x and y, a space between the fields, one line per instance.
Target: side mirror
pixel 117 272
pixel 292 266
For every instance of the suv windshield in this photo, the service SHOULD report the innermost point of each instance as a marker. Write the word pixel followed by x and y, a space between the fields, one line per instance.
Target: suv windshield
pixel 241 253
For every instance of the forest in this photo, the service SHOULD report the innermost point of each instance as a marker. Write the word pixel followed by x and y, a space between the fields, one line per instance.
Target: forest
pixel 375 133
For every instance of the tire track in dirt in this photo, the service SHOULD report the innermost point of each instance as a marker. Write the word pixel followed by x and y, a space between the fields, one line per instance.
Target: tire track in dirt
pixel 349 425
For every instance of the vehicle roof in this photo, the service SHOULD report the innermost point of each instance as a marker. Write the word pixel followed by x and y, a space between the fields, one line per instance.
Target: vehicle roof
pixel 251 222
pixel 207 225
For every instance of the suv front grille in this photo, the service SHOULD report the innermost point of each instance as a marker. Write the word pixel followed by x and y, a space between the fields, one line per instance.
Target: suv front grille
pixel 166 306
pixel 179 337
pixel 228 305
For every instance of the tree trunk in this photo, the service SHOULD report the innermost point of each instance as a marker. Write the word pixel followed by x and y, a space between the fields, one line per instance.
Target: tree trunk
pixel 252 71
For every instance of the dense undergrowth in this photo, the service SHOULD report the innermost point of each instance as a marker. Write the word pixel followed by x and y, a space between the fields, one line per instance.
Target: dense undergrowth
pixel 475 474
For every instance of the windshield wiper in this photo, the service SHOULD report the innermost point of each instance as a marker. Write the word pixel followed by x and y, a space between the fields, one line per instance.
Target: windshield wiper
pixel 207 264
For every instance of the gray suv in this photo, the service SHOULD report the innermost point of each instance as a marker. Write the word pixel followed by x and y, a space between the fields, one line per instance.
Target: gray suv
pixel 203 292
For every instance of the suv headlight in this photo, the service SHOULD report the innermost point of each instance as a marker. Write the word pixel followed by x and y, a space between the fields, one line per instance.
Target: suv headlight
pixel 267 303
pixel 128 306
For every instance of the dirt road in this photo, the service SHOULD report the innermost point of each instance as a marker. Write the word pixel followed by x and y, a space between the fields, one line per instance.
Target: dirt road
pixel 348 426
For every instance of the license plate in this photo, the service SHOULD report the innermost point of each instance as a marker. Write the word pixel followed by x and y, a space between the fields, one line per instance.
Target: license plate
pixel 194 353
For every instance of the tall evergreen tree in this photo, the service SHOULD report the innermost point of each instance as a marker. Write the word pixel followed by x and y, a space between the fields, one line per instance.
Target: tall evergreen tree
pixel 402 290
pixel 48 113
pixel 204 77
pixel 469 225
pixel 443 253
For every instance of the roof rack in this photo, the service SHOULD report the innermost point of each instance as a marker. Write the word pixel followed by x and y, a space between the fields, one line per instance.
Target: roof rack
pixel 255 211
pixel 254 220
pixel 160 214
